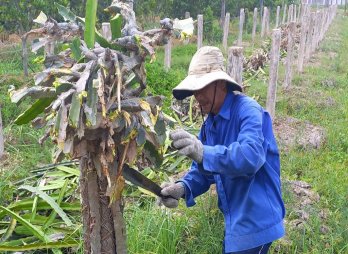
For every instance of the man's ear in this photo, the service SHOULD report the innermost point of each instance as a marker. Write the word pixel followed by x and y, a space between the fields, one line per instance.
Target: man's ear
pixel 222 84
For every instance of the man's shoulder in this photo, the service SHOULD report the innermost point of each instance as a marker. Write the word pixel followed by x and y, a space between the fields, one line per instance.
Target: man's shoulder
pixel 243 100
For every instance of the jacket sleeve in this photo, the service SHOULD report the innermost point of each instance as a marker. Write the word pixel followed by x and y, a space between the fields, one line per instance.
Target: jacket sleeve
pixel 243 157
pixel 196 184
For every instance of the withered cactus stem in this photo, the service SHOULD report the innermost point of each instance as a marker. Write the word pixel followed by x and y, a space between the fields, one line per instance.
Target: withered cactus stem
pixel 93 113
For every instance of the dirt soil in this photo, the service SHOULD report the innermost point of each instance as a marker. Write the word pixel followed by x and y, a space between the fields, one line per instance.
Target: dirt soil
pixel 304 207
pixel 9 38
pixel 292 132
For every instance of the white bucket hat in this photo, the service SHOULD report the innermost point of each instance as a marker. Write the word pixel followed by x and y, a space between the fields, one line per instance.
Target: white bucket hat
pixel 207 66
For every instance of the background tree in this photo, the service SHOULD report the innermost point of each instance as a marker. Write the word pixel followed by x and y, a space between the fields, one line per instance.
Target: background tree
pixel 212 31
pixel 18 15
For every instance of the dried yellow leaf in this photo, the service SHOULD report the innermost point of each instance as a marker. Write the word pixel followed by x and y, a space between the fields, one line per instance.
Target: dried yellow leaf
pixel 50 116
pixel 113 115
pixel 132 135
pixel 117 189
pixel 145 106
pixel 153 58
pixel 61 145
pixel 127 117
pixel 82 95
pixel 154 117
pixel 56 83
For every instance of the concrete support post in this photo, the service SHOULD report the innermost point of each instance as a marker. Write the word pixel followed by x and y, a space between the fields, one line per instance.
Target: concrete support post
pixel 315 31
pixel 273 73
pixel 241 25
pixel 308 50
pixel 254 25
pixel 264 21
pixel 268 20
pixel 303 37
pixel 199 31
pixel 168 54
pixel 226 30
pixel 295 14
pixel 289 56
pixel 301 13
pixel 284 14
pixel 106 30
pixel 277 17
pixel 25 57
pixel 290 13
pixel 235 64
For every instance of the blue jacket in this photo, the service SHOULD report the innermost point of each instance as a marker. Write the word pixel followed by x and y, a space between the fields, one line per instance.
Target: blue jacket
pixel 241 157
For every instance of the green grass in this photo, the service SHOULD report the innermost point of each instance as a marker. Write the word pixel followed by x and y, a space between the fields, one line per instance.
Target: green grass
pixel 21 142
pixel 10 59
pixel 325 169
pixel 160 232
pixel 151 229
pixel 324 79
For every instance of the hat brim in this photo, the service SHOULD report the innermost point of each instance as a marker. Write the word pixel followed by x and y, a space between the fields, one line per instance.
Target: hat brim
pixel 194 83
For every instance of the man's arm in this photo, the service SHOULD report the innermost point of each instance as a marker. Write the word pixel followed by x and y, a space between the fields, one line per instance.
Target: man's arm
pixel 196 184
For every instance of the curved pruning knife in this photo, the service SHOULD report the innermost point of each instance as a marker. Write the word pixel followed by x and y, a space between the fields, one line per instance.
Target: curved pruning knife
pixel 138 179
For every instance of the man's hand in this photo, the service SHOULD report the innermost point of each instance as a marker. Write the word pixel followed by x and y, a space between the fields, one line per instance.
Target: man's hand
pixel 175 190
pixel 187 144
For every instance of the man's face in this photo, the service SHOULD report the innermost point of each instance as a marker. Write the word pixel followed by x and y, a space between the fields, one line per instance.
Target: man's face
pixel 205 97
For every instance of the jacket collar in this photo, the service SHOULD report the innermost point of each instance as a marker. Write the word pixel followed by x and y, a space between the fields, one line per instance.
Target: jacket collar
pixel 225 111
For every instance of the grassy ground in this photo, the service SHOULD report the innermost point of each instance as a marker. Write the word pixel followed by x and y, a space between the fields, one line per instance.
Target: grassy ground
pixel 324 80
pixel 200 229
pixel 320 96
pixel 21 142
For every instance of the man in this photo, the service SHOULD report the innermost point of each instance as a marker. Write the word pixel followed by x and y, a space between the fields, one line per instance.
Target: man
pixel 236 150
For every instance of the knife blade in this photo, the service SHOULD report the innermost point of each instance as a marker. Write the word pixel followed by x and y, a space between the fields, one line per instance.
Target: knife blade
pixel 138 179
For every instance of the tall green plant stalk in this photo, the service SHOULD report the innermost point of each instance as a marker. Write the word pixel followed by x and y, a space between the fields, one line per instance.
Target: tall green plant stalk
pixel 91 16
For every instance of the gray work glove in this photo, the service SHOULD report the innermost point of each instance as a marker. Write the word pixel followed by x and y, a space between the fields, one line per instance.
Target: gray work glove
pixel 187 144
pixel 175 190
